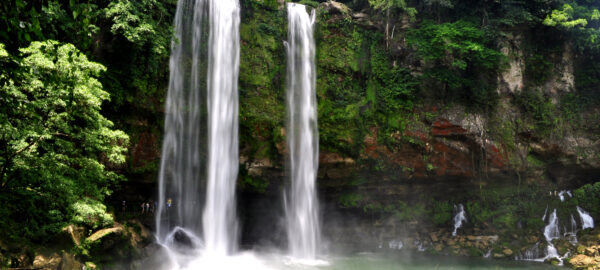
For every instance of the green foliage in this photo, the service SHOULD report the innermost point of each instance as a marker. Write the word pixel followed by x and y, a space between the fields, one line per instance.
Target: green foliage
pixel 588 198
pixel 460 57
pixel 541 110
pixel 141 22
pixel 406 212
pixel 350 200
pixel 537 69
pixel 580 20
pixel 441 212
pixel 262 77
pixel 477 212
pixel 91 214
pixel 54 143
pixel 386 5
pixel 564 18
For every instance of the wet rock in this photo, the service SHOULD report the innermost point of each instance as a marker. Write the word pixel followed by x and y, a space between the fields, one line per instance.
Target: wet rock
pixel 507 252
pixel 498 256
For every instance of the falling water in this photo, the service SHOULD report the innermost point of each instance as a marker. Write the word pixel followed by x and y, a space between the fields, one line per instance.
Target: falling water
pixel 202 96
pixel 459 218
pixel 302 137
pixel 551 232
pixel 586 220
pixel 184 145
pixel 219 219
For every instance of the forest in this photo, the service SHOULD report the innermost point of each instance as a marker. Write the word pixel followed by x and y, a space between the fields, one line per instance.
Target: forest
pixel 422 105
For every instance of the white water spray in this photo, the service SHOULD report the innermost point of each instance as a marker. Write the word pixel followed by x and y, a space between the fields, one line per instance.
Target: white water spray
pixel 459 218
pixel 201 133
pixel 586 220
pixel 302 206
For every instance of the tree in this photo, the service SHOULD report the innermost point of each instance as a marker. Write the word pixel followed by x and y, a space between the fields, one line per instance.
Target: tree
pixel 55 146
pixel 388 6
pixel 581 20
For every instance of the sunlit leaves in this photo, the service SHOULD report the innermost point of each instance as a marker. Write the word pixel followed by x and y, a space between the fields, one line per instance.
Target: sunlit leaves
pixel 564 18
pixel 54 143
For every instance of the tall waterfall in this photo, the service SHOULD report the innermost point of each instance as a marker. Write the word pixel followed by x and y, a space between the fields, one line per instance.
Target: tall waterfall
pixel 302 207
pixel 183 157
pixel 201 129
pixel 219 219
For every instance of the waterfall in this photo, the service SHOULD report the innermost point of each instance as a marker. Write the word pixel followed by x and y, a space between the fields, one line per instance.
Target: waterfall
pixel 302 211
pixel 586 220
pixel 459 218
pixel 551 232
pixel 561 194
pixel 201 130
pixel 219 219
pixel 183 160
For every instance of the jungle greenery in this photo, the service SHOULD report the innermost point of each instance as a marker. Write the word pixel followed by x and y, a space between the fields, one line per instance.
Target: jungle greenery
pixel 78 78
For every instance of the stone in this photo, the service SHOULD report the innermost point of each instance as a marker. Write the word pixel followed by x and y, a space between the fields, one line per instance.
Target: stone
pixel 47 262
pixel 581 261
pixel 591 251
pixel 507 252
pixel 103 233
pixel 498 255
pixel 444 128
pixel 438 247
pixel 433 237
pixel 532 239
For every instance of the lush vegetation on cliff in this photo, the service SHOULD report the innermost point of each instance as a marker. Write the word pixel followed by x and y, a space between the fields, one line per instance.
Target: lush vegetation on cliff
pixel 82 81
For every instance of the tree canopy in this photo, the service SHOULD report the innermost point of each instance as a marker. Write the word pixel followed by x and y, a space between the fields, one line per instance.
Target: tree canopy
pixel 55 145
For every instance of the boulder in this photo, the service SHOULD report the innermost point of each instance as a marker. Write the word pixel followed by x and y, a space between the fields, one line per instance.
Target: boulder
pixel 507 252
pixel 582 262
pixel 52 261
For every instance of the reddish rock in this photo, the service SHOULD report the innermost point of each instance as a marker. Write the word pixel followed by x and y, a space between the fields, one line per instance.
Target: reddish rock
pixel 442 128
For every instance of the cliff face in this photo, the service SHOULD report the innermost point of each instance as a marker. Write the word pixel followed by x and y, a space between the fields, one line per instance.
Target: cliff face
pixel 392 172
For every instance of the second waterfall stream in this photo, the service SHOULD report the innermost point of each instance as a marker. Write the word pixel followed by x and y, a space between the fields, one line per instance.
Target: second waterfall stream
pixel 302 206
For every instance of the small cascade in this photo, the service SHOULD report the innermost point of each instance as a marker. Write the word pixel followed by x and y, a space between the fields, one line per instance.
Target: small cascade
pixel 459 218
pixel 545 213
pixel 571 232
pixel 551 232
pixel 395 244
pixel 562 193
pixel 586 220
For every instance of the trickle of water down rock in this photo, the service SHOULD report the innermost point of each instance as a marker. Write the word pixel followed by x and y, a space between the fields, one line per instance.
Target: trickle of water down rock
pixel 459 218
